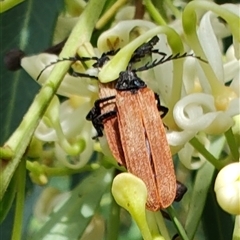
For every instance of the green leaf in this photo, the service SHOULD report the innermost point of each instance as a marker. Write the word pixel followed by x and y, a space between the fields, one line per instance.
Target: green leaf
pixel 71 220
pixel 7 201
pixel 201 186
pixel 29 27
pixel 217 224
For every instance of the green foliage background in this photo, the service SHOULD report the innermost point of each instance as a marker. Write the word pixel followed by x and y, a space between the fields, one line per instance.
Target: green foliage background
pixel 27 26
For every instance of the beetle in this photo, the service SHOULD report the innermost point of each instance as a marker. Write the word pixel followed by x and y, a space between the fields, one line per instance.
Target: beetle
pixel 108 89
pixel 118 146
pixel 128 112
pixel 136 135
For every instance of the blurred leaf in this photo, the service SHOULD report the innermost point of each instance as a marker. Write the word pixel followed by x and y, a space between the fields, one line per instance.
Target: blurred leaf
pixel 217 224
pixel 7 201
pixel 27 26
pixel 198 198
pixel 71 220
pixel 6 5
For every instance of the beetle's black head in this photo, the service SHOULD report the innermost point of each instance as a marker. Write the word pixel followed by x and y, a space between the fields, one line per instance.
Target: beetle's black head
pixel 128 80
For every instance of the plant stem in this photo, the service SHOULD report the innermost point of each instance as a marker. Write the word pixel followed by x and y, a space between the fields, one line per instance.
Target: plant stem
pixel 232 144
pixel 59 171
pixel 154 13
pixel 177 223
pixel 236 231
pixel 160 225
pixel 20 139
pixel 202 150
pixel 109 13
pixel 20 197
pixel 174 9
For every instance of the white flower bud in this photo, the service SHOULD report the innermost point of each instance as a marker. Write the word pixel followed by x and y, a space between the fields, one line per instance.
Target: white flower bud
pixel 227 188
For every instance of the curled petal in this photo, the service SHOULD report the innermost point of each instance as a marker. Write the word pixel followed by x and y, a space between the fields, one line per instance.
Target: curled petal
pixel 236 83
pixel 196 112
pixel 235 8
pixel 70 130
pixel 236 127
pixel 190 75
pixel 77 86
pixel 231 69
pixel 33 65
pixel 227 188
pixel 77 161
pixel 125 13
pixel 210 43
pixel 72 121
pixel 164 82
pixel 191 158
pixel 70 85
pixel 230 55
pixel 220 124
pixel 45 132
pixel 120 35
pixel 176 138
pixel 234 107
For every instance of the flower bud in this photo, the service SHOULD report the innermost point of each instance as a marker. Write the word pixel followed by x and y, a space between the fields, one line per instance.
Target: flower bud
pixel 130 192
pixel 227 188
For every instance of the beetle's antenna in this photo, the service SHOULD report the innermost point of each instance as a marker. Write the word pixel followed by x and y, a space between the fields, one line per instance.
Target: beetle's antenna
pixel 99 61
pixel 72 59
pixel 167 59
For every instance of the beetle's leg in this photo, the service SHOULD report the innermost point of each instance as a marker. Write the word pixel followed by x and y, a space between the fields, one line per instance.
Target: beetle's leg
pixel 181 190
pixel 105 99
pixel 107 115
pixel 96 110
pixel 98 122
pixel 161 108
pixel 99 128
pixel 146 49
pixel 97 118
